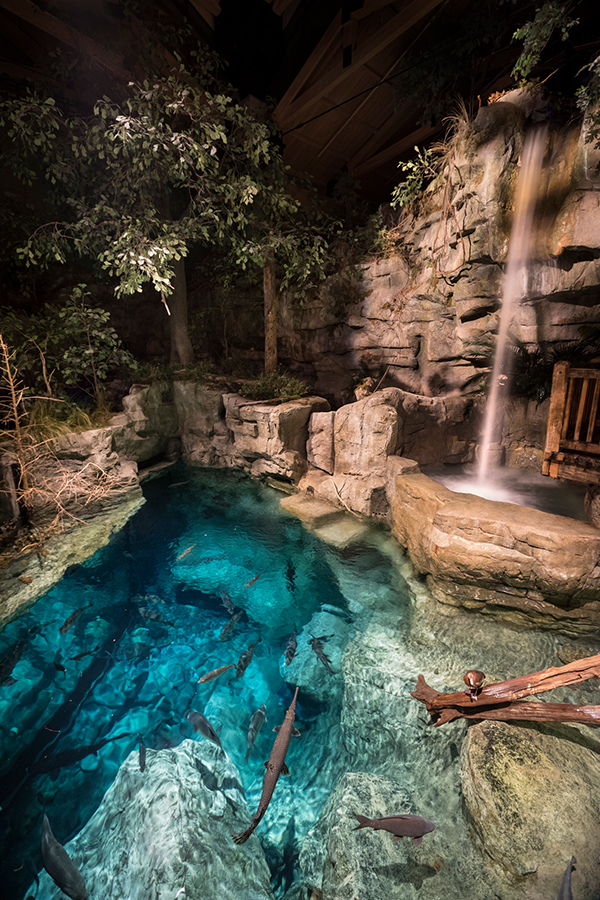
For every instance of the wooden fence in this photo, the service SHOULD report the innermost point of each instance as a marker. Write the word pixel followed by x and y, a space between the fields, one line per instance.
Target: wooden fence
pixel 573 437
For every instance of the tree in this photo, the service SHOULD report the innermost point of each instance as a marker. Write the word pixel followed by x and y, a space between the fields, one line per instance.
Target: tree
pixel 288 239
pixel 137 182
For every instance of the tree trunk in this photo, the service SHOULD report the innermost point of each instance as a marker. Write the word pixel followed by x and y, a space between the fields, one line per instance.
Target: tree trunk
pixel 271 301
pixel 181 346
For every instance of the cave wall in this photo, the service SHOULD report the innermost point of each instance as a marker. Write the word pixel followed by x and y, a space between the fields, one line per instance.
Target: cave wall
pixel 421 313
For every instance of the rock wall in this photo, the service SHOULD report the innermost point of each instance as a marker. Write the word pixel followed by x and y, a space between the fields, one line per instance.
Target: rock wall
pixel 422 314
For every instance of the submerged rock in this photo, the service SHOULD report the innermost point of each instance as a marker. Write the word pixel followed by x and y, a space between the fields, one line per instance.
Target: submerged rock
pixel 534 801
pixel 166 833
pixel 345 865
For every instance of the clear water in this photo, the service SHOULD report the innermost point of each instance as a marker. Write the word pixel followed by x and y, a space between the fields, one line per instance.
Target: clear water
pixel 202 533
pixel 505 485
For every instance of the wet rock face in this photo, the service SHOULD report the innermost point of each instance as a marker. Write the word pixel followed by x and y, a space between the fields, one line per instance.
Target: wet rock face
pixel 534 801
pixel 170 828
pixel 425 311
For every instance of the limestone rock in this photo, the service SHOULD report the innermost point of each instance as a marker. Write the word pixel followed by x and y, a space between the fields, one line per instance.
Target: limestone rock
pixel 61 551
pixel 169 828
pixel 200 412
pixel 271 439
pixel 524 790
pixel 498 555
pixel 146 425
pixel 367 432
pixel 319 447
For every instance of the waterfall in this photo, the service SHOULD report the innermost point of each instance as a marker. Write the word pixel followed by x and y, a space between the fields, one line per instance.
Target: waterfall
pixel 516 274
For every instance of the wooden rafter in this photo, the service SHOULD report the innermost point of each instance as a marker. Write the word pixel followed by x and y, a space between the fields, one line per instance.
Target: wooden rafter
pixel 48 23
pixel 292 112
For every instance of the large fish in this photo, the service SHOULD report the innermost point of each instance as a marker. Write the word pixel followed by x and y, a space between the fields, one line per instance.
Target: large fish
pixel 210 676
pixel 54 761
pixel 60 867
pixel 9 661
pixel 230 625
pixel 291 646
pixel 317 645
pixel 245 659
pixel 400 826
pixel 68 623
pixel 256 723
pixel 142 753
pixel 201 724
pixel 275 767
pixel 227 602
pixel 565 892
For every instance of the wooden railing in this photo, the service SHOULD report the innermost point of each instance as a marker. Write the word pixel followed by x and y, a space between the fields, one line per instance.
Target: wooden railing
pixel 573 437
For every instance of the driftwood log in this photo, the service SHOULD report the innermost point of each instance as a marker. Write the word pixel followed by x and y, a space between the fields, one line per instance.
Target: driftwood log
pixel 503 701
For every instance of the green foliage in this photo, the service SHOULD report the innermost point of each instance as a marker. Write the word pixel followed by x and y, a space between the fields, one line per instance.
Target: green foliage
pixel 530 370
pixel 537 33
pixel 588 101
pixel 275 386
pixel 73 346
pixel 419 171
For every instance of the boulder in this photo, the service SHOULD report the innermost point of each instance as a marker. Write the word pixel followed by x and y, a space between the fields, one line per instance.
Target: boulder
pixel 270 439
pixel 533 799
pixel 201 414
pixel 169 828
pixel 344 865
pixel 531 566
pixel 148 423
pixel 367 432
pixel 319 447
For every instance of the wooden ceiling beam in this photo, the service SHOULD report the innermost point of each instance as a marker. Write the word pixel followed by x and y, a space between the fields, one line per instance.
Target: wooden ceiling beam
pixel 48 23
pixel 208 9
pixel 23 41
pixel 390 127
pixel 394 151
pixel 297 109
pixel 308 68
pixel 19 73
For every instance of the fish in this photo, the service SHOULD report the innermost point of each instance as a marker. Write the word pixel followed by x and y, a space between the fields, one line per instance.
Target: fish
pixel 251 582
pixel 84 654
pixel 60 668
pixel 230 625
pixel 400 826
pixel 227 602
pixel 55 761
pixel 201 724
pixel 246 658
pixel 142 752
pixel 208 559
pixel 210 676
pixel 60 867
pixel 565 892
pixel 291 647
pixel 256 723
pixel 185 552
pixel 9 661
pixel 154 616
pixel 275 766
pixel 290 575
pixel 68 623
pixel 317 645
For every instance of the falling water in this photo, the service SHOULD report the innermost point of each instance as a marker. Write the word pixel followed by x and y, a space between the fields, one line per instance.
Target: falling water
pixel 518 254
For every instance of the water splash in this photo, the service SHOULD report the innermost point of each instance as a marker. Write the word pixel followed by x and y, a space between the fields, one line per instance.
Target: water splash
pixel 515 284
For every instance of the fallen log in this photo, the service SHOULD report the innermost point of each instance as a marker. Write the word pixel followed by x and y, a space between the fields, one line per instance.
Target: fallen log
pixel 522 711
pixel 513 689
